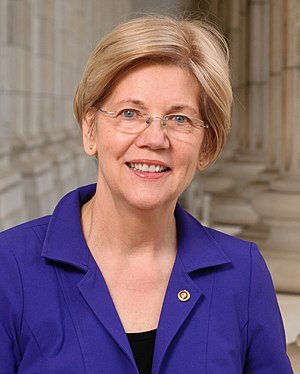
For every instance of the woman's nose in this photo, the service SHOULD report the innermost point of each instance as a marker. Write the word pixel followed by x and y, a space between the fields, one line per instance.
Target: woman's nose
pixel 154 136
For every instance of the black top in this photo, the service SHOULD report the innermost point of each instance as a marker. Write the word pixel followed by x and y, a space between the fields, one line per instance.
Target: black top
pixel 142 345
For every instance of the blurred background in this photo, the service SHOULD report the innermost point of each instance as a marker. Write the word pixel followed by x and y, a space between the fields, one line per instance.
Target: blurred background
pixel 252 191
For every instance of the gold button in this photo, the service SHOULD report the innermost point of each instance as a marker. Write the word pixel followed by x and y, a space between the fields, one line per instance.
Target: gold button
pixel 184 295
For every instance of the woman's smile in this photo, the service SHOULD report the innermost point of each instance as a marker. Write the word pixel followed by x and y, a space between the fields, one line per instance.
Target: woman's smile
pixel 148 169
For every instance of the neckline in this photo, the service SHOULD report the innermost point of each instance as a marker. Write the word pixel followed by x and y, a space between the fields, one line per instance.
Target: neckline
pixel 142 335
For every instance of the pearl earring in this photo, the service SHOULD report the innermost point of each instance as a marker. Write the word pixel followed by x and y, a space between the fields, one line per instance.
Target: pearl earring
pixel 91 147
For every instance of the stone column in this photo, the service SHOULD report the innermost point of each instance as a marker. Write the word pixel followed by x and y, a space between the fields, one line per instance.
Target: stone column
pixel 14 76
pixel 213 181
pixel 69 21
pixel 279 207
pixel 293 351
pixel 276 86
pixel 248 26
pixel 30 157
pixel 11 193
pixel 258 231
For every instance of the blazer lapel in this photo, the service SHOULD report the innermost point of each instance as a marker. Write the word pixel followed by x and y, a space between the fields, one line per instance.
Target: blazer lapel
pixel 196 250
pixel 65 243
pixel 95 292
pixel 174 311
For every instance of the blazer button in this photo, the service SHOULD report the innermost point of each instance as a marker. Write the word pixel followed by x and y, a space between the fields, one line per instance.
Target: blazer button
pixel 184 295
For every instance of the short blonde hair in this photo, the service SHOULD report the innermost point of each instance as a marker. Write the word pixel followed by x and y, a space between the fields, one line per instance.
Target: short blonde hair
pixel 191 44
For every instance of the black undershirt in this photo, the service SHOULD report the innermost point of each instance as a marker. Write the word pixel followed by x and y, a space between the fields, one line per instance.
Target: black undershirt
pixel 142 346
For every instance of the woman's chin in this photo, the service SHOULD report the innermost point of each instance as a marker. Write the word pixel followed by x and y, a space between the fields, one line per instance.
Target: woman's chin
pixel 147 203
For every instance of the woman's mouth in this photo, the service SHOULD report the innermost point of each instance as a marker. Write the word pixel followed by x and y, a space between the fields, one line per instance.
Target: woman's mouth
pixel 147 168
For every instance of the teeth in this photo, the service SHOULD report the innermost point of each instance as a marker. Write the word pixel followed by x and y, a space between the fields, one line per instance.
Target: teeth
pixel 147 168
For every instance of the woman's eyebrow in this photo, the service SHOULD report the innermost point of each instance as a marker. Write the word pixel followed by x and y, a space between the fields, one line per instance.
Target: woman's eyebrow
pixel 132 101
pixel 172 108
pixel 183 107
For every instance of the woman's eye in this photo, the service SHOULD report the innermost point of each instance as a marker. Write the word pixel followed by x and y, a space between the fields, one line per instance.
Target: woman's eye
pixel 180 119
pixel 128 113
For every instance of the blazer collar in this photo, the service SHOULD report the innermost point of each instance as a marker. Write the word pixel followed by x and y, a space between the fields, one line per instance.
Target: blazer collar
pixel 65 243
pixel 196 247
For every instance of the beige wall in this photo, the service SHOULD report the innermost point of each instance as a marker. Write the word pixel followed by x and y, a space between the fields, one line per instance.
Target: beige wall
pixel 44 46
pixel 255 186
pixel 254 189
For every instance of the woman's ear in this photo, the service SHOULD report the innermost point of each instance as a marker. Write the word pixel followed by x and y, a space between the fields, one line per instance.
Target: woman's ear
pixel 88 133
pixel 203 161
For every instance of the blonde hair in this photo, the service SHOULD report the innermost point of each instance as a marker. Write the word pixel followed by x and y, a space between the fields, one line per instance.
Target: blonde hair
pixel 191 44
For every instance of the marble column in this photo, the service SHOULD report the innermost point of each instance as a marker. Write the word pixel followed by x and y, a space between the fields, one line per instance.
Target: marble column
pixel 279 207
pixel 65 60
pixel 11 192
pixel 31 159
pixel 245 152
pixel 84 38
pixel 258 231
pixel 13 80
pixel 44 46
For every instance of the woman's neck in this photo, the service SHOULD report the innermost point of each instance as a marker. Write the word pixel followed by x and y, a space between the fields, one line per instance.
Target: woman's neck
pixel 125 230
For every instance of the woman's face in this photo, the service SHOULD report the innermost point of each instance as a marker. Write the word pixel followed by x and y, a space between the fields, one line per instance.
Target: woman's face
pixel 168 162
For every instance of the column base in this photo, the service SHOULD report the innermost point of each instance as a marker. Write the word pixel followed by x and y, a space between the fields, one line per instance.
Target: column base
pixel 37 176
pixel 293 351
pixel 63 169
pixel 11 199
pixel 231 205
pixel 230 208
pixel 285 269
pixel 280 212
pixel 257 233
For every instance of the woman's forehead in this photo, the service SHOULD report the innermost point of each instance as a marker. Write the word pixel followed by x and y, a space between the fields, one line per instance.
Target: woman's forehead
pixel 145 84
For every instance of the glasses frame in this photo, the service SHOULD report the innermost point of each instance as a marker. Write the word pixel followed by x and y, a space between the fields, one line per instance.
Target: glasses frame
pixel 163 120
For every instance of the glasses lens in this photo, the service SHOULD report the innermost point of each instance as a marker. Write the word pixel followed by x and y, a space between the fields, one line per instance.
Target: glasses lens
pixel 179 124
pixel 132 124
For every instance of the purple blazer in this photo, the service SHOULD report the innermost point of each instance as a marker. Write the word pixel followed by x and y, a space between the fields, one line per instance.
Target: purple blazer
pixel 57 316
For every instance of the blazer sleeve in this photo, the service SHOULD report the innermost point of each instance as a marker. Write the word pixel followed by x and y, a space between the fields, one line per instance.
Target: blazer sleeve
pixel 11 304
pixel 266 351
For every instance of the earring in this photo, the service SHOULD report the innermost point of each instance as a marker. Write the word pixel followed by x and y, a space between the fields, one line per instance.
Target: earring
pixel 201 163
pixel 91 146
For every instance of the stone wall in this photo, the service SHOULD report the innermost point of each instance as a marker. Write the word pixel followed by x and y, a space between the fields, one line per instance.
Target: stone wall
pixel 44 46
pixel 254 188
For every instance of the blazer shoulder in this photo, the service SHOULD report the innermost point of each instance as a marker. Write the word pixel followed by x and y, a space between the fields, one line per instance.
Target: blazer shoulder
pixel 232 245
pixel 25 236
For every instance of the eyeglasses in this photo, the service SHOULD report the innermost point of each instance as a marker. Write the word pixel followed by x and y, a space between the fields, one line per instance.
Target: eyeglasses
pixel 133 121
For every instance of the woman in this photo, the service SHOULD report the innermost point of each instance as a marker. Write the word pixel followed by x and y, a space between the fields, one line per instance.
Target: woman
pixel 120 279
